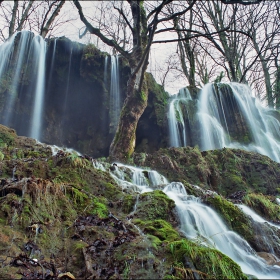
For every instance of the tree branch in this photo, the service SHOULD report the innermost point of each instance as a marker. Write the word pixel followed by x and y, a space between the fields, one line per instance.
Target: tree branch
pixel 173 15
pixel 45 29
pixel 159 8
pixel 199 34
pixel 97 32
pixel 24 15
pixel 125 18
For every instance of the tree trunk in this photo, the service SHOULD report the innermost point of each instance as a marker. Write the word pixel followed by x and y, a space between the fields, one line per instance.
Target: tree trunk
pixel 45 28
pixel 13 19
pixel 135 103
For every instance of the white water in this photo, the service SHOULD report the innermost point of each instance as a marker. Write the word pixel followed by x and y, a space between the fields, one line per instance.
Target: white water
pixel 106 71
pixel 28 51
pixel 255 216
pixel 264 127
pixel 198 221
pixel 20 53
pixel 176 122
pixel 266 230
pixel 68 82
pixel 213 134
pixel 39 51
pixel 115 102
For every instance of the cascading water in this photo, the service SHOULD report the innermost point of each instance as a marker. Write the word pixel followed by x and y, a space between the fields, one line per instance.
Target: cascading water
pixel 39 50
pixel 20 53
pixel 51 71
pixel 68 81
pixel 228 116
pixel 22 59
pixel 213 134
pixel 264 127
pixel 115 102
pixel 106 70
pixel 176 122
pixel 198 221
pixel 266 231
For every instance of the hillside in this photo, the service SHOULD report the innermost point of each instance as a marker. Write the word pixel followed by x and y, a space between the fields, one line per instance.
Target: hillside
pixel 66 216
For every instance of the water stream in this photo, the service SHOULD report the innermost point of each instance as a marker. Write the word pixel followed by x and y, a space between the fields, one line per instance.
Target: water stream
pixel 176 122
pixel 39 52
pixel 228 116
pixel 115 102
pixel 199 222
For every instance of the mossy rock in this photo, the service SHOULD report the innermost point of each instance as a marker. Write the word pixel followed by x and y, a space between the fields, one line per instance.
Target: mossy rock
pixel 128 203
pixel 235 219
pixel 161 229
pixel 225 171
pixel 154 205
pixel 263 205
pixel 208 263
pixel 7 136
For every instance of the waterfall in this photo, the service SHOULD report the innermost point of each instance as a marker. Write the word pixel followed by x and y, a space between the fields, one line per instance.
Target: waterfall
pixel 266 230
pixel 19 54
pixel 52 65
pixel 176 122
pixel 22 64
pixel 115 102
pixel 106 70
pixel 39 46
pixel 199 222
pixel 225 118
pixel 263 126
pixel 213 134
pixel 67 82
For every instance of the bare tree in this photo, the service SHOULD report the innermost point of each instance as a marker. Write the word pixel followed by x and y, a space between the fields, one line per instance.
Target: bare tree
pixel 142 21
pixel 39 16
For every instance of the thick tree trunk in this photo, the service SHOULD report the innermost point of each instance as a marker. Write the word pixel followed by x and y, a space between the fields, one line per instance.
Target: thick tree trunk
pixel 13 19
pixel 135 103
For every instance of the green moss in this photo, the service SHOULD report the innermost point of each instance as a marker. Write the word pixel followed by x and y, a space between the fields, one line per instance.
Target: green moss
pixel 110 190
pixel 155 205
pixel 158 228
pixel 155 241
pixel 262 205
pixel 98 208
pixel 7 136
pixel 143 95
pixel 79 197
pixel 79 245
pixel 232 215
pixel 209 263
pixel 128 203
